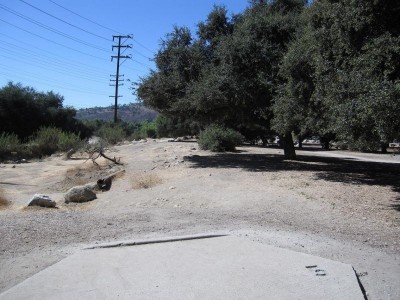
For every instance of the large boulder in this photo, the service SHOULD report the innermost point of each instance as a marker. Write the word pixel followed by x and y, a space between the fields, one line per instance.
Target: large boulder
pixel 42 200
pixel 79 194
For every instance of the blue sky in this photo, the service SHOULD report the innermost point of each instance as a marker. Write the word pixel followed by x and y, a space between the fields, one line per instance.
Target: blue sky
pixel 39 49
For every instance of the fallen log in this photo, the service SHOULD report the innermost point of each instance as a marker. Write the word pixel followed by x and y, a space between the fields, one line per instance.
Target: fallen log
pixel 96 152
pixel 104 184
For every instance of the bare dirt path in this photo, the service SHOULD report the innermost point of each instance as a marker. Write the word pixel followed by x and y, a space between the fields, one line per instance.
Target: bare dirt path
pixel 338 205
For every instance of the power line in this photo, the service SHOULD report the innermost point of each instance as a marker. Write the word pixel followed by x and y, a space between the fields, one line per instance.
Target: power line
pixel 53 69
pixel 69 61
pixel 105 27
pixel 61 20
pixel 133 69
pixel 32 78
pixel 143 46
pixel 47 59
pixel 144 65
pixel 142 55
pixel 50 28
pixel 49 40
pixel 102 26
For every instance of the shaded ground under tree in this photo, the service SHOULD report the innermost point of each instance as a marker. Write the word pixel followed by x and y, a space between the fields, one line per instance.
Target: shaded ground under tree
pixel 344 170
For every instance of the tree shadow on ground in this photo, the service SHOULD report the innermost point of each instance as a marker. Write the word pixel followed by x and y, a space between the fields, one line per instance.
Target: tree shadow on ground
pixel 396 203
pixel 345 170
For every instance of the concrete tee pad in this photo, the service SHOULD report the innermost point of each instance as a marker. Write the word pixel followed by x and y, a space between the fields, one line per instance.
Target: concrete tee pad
pixel 211 268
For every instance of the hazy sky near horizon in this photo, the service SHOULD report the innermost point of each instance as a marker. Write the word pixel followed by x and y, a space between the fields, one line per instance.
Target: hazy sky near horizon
pixel 65 45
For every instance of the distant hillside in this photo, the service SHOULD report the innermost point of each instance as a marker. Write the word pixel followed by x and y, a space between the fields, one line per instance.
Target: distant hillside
pixel 132 112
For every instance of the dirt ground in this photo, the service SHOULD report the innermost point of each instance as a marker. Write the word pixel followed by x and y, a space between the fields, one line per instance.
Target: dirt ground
pixel 335 204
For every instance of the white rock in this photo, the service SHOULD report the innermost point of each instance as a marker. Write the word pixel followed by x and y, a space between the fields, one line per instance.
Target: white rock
pixel 42 200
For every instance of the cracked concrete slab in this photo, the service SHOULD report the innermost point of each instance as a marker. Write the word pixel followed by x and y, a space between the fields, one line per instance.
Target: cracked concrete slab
pixel 223 267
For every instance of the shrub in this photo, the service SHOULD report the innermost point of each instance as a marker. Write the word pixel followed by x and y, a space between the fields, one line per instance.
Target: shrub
pixel 149 129
pixel 144 130
pixel 219 139
pixel 365 146
pixel 48 140
pixel 112 133
pixel 68 141
pixel 9 142
pixel 137 135
pixel 174 126
pixel 45 141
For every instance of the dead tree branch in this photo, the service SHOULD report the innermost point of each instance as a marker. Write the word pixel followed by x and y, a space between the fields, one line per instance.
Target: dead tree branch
pixel 98 150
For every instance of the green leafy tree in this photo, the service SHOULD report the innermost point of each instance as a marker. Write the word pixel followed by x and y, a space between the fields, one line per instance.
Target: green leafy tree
pixel 178 65
pixel 230 75
pixel 358 69
pixel 342 74
pixel 23 111
pixel 251 59
pixel 175 126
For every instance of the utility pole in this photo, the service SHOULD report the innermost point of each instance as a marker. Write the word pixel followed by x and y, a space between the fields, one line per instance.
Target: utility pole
pixel 117 76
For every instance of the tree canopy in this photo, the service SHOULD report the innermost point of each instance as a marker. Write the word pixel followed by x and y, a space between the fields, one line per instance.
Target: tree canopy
pixel 283 67
pixel 23 110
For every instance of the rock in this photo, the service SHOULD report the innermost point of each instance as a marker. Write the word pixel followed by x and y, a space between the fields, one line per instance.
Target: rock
pixel 104 184
pixel 172 187
pixel 79 194
pixel 42 200
pixel 94 140
pixel 92 186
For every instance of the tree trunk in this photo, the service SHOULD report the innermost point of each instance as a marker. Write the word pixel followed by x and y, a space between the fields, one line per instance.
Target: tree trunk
pixel 288 146
pixel 300 142
pixel 384 147
pixel 325 143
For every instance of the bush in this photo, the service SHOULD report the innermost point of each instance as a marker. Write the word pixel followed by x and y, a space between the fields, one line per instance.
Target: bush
pixel 68 141
pixel 112 133
pixel 137 135
pixel 45 141
pixel 173 126
pixel 149 129
pixel 9 142
pixel 365 146
pixel 219 139
pixel 48 140
pixel 144 130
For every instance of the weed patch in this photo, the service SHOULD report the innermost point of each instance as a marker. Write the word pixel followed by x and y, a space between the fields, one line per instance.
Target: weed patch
pixel 4 202
pixel 146 181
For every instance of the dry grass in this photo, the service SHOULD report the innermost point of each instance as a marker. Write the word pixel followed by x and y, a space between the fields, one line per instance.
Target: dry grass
pixel 77 170
pixel 4 202
pixel 88 172
pixel 146 181
pixel 80 175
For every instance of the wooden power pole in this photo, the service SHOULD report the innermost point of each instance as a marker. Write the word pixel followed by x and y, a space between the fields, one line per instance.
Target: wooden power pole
pixel 117 79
